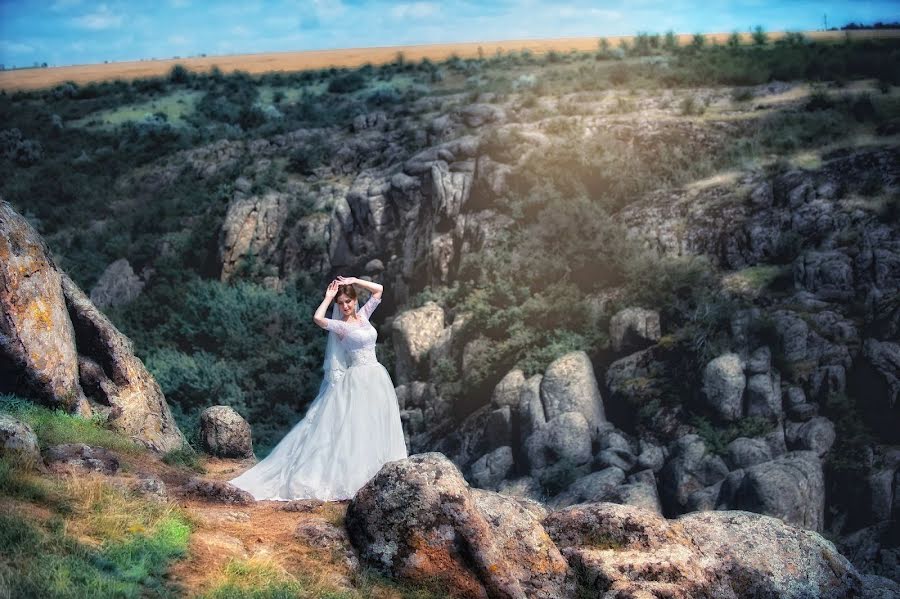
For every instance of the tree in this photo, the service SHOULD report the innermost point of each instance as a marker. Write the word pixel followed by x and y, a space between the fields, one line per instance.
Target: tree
pixel 734 40
pixel 698 41
pixel 760 37
pixel 671 42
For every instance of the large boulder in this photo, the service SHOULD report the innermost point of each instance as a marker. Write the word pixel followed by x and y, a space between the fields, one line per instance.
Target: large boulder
pixel 791 487
pixel 37 341
pixel 225 433
pixel 690 469
pixel 139 408
pixel 626 551
pixel 252 227
pixel 560 452
pixel 417 519
pixel 77 458
pixel 569 385
pixel 58 345
pixel 414 332
pixel 723 386
pixel 507 391
pixel 492 468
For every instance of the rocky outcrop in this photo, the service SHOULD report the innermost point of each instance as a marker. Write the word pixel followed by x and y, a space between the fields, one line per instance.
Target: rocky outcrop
pixel 56 345
pixel 252 227
pixel 225 433
pixel 138 406
pixel 414 333
pixel 634 329
pixel 418 519
pixel 116 286
pixel 37 341
pixel 569 385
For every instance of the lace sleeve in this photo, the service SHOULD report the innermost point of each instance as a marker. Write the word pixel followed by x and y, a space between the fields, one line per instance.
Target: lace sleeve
pixel 371 304
pixel 338 326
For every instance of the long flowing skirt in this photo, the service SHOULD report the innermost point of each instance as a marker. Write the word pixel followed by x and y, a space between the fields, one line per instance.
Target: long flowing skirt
pixel 349 432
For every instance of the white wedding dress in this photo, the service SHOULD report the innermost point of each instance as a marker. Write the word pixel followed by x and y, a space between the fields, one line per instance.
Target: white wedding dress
pixel 348 433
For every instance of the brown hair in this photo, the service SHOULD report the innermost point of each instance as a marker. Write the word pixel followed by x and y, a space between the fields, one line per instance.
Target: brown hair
pixel 348 290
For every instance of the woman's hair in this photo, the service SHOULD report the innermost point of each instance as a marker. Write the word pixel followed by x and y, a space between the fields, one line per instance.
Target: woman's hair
pixel 348 290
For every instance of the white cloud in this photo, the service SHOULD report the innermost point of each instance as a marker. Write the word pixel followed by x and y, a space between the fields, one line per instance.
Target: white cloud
pixel 415 10
pixel 102 18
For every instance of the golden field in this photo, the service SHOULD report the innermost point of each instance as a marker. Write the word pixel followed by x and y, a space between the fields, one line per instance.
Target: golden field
pixel 37 78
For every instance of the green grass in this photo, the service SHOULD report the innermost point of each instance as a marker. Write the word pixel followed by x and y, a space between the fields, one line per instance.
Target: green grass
pixel 717 438
pixel 185 458
pixel 54 427
pixel 175 106
pixel 44 561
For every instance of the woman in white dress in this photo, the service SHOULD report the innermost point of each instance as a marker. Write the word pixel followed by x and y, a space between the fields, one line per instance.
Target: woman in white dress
pixel 352 427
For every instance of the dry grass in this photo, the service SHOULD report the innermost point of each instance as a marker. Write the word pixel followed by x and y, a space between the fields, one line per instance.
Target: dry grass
pixel 23 79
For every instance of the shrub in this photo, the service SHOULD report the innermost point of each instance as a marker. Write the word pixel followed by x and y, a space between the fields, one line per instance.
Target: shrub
pixel 759 36
pixel 347 83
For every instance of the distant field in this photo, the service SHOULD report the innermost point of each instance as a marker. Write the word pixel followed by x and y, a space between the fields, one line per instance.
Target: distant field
pixel 37 78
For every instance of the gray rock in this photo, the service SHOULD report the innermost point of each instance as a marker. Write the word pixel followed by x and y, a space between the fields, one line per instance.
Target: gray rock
pixel 569 386
pixel 829 274
pixel 151 487
pixel 760 361
pixel 881 489
pixel 744 452
pixel 764 396
pixel 876 382
pixel 330 540
pixel 689 469
pixel 18 442
pixel 252 227
pixel 561 450
pixel 225 433
pixel 791 487
pixel 507 391
pixel 651 457
pixel 817 435
pixel 524 487
pixel 619 458
pixel 705 498
pixel 116 286
pixel 723 386
pixel 491 468
pixel 634 329
pixel 596 486
pixel 531 410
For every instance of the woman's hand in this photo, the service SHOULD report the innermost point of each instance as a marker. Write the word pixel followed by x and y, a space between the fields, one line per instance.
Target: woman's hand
pixel 347 280
pixel 332 290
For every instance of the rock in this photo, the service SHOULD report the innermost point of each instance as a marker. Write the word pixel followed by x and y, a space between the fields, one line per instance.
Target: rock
pixel 764 396
pixel 76 458
pixel 723 386
pixel 216 491
pixel 116 286
pixel 760 361
pixel 876 382
pixel 531 410
pixel 791 487
pixel 829 274
pixel 560 452
pixel 689 469
pixel 417 519
pixel 626 551
pixel 596 486
pixel 476 115
pixel 449 193
pixel 253 225
pixel 619 458
pixel 507 391
pixel 224 433
pixel 302 506
pixel 705 498
pixel 18 442
pixel 139 407
pixel 816 435
pixel 761 556
pixel 37 341
pixel 744 452
pixel 634 329
pixel 151 487
pixel 652 457
pixel 524 487
pixel 414 332
pixel 493 467
pixel 569 386
pixel 329 539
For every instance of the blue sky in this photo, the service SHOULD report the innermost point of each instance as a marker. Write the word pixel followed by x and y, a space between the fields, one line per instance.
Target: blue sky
pixel 62 32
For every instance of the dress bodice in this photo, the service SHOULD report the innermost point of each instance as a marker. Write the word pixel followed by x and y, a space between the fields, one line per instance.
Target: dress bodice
pixel 358 339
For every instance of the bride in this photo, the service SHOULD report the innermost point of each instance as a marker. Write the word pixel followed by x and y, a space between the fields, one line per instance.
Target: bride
pixel 352 427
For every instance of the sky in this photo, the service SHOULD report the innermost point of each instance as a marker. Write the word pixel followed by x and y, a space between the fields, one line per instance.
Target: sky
pixel 64 32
